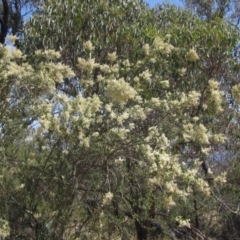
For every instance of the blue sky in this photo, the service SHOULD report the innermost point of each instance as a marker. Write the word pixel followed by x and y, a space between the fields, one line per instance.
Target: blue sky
pixel 154 2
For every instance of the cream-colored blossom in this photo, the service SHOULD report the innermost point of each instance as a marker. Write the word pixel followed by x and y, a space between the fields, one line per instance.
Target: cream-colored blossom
pixel 100 78
pixel 156 102
pixel 219 138
pixel 107 198
pixel 221 178
pixel 170 202
pixel 192 98
pixel 113 115
pixel 126 63
pixel 105 68
pixel 120 132
pixel 146 75
pixel 139 64
pixel 4 228
pixel 152 60
pixel 203 186
pixel 163 160
pixel 16 53
pixel 120 91
pixel 205 150
pixel 205 106
pixel 160 45
pixel 182 71
pixel 215 97
pixel 108 107
pixel 87 65
pixel 136 79
pixel 59 71
pixel 153 181
pixel 213 84
pixel 112 57
pixel 168 36
pixel 114 69
pixel 195 119
pixel 119 160
pixel 122 117
pixel 142 164
pixel 165 84
pixel 149 153
pixel 88 46
pixel 138 112
pixel 171 187
pixel 65 152
pixel 197 133
pixel 183 222
pixel 153 167
pixel 163 142
pixel 176 168
pixel 146 49
pixel 95 134
pixel 131 126
pixel 236 93
pixel 48 54
pixel 153 131
pixel 192 55
pixel 12 38
pixel 138 99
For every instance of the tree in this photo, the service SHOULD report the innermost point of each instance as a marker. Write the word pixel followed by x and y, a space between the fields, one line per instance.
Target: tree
pixel 12 16
pixel 215 8
pixel 126 155
pixel 226 73
pixel 23 84
pixel 111 26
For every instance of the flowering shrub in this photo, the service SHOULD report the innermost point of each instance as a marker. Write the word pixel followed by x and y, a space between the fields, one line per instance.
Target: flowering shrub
pixel 130 138
pixel 124 118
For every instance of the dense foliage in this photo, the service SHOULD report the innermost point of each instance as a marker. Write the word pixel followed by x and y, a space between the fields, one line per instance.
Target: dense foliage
pixel 119 122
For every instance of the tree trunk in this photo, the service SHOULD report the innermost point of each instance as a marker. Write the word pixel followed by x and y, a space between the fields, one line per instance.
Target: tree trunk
pixel 142 232
pixel 4 21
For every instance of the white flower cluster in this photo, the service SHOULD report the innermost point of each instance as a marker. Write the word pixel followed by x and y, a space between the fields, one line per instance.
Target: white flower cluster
pixel 12 38
pixel 221 178
pixel 138 112
pixel 107 198
pixel 88 46
pixel 198 133
pixel 165 84
pixel 112 57
pixel 183 222
pixel 59 71
pixel 146 49
pixel 4 228
pixel 48 54
pixel 120 91
pixel 215 96
pixel 161 46
pixel 236 93
pixel 119 160
pixel 182 71
pixel 185 100
pixel 87 65
pixel 146 75
pixel 192 55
